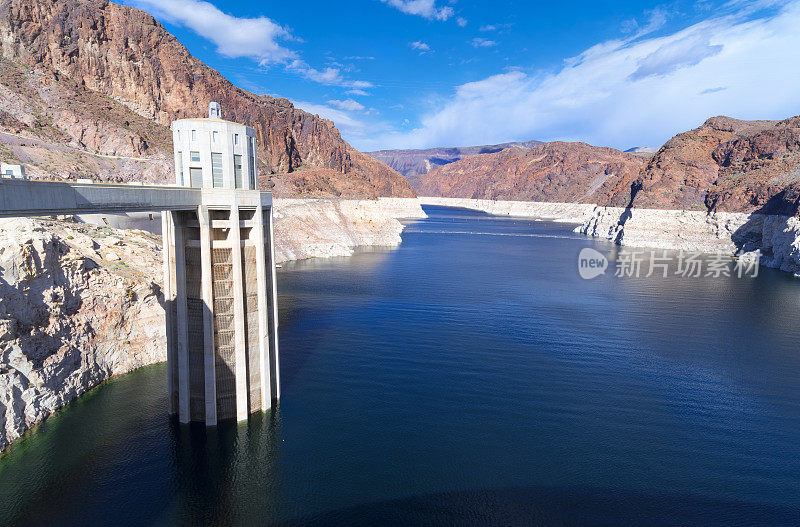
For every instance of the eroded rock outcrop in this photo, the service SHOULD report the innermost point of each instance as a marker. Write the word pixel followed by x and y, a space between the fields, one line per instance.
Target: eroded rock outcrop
pixel 60 129
pixel 325 228
pixel 78 304
pixel 774 239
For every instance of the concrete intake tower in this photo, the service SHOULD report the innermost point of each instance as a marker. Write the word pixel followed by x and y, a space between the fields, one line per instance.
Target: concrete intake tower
pixel 219 277
pixel 219 264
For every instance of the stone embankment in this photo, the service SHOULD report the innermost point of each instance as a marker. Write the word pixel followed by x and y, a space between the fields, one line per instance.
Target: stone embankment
pixel 78 304
pixel 568 212
pixel 81 303
pixel 325 228
pixel 777 238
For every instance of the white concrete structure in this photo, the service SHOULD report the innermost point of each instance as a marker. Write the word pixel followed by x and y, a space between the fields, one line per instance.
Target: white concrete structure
pixel 214 153
pixel 46 198
pixel 12 171
pixel 219 277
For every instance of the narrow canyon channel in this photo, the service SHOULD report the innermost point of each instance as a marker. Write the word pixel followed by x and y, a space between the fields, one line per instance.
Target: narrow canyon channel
pixel 468 376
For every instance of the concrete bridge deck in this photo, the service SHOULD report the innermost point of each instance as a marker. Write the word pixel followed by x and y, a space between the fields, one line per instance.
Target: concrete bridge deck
pixel 44 198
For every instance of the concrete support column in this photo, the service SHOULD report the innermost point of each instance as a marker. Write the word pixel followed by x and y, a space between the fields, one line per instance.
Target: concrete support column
pixel 273 308
pixel 240 337
pixel 168 262
pixel 208 315
pixel 262 280
pixel 182 316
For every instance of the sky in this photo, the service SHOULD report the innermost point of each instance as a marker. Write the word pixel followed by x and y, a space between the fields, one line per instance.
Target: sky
pixel 425 73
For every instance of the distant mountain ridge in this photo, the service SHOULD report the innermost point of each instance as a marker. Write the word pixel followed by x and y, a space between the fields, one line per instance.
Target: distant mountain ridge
pixel 557 171
pixel 124 54
pixel 725 164
pixel 413 162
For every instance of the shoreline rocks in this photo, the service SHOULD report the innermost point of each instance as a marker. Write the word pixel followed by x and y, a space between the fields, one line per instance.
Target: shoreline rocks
pixel 776 238
pixel 78 305
pixel 317 228
pixel 566 212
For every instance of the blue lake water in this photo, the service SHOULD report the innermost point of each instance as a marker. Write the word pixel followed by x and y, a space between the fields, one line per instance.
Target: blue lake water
pixel 467 377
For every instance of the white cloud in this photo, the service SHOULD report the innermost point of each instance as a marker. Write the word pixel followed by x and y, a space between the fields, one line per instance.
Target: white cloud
pixel 655 21
pixel 630 91
pixel 357 92
pixel 676 54
pixel 348 104
pixel 494 27
pixel 479 42
pixel 346 124
pixel 421 46
pixel 424 8
pixel 234 37
pixel 329 76
pixel 461 21
pixel 351 127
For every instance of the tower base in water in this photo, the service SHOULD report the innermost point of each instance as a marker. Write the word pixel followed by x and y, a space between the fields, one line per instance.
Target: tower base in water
pixel 221 307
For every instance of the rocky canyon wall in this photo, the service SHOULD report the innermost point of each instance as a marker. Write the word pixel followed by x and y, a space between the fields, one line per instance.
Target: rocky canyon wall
pixel 89 77
pixel 725 165
pixel 557 171
pixel 325 228
pixel 78 304
pixel 775 237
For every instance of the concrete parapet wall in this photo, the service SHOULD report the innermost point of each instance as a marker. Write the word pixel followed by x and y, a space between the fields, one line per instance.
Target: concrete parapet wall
pixel 42 198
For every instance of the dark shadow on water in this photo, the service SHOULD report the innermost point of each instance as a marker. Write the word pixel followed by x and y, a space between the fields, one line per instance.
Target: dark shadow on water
pixel 218 469
pixel 555 506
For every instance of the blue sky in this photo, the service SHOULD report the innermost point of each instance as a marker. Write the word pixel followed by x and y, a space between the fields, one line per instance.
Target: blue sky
pixel 421 73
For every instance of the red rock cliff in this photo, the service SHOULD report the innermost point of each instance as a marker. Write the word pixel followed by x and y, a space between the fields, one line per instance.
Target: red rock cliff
pixel 556 172
pixel 728 165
